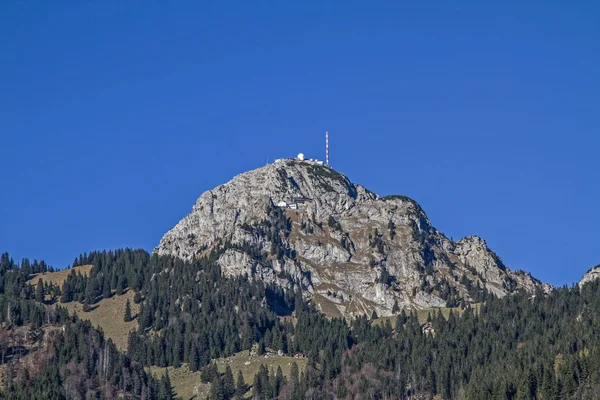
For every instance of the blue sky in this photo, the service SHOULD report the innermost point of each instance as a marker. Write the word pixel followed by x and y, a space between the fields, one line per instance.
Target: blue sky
pixel 116 116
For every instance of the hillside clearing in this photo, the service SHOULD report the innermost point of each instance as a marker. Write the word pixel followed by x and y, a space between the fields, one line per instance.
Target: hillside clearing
pixel 108 315
pixel 183 380
pixel 249 365
pixel 188 386
pixel 59 277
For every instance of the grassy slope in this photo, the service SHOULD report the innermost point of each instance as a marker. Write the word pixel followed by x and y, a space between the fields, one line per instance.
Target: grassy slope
pixel 249 365
pixel 185 381
pixel 107 314
pixel 59 277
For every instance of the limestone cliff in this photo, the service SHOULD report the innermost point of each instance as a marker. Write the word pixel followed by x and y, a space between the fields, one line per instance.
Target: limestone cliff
pixel 301 222
pixel 592 274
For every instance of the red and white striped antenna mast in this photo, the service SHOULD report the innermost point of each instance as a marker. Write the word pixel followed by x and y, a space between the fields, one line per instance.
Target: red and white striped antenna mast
pixel 327 148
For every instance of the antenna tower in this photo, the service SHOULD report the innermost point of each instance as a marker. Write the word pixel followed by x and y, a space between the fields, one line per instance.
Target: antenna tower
pixel 327 148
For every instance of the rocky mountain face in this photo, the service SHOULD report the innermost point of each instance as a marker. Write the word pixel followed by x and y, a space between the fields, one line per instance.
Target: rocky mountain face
pixel 299 222
pixel 592 274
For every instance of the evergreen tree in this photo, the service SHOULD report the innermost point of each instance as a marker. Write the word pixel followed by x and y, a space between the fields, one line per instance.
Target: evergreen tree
pixel 165 389
pixel 195 359
pixel 228 383
pixel 374 315
pixel 121 285
pixel 127 316
pixel 240 386
pixel 294 377
pixel 279 380
pixel 67 292
pixel 40 292
pixel 401 320
pixel 217 391
pixel 137 298
pixel 106 290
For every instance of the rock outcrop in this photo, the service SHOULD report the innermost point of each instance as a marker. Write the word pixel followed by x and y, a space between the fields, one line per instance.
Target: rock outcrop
pixel 591 275
pixel 299 222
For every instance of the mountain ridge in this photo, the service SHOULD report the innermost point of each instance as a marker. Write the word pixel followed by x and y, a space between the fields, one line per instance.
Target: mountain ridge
pixel 298 222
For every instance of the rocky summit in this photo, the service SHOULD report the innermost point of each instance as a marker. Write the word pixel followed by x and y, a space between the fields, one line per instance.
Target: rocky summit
pixel 298 222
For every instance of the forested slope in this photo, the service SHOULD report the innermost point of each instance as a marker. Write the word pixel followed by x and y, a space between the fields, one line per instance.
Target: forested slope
pixel 523 346
pixel 47 354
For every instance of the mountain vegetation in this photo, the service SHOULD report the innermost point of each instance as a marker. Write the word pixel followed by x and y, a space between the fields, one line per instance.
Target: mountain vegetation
pixel 540 346
pixel 48 354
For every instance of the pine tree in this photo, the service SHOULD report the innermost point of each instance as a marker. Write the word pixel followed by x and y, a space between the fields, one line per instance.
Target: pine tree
pixel 121 285
pixel 137 298
pixel 532 384
pixel 67 293
pixel 374 315
pixel 241 387
pixel 39 291
pixel 400 321
pixel 257 387
pixel 195 359
pixel 127 316
pixel 217 391
pixel 165 389
pixel 106 291
pixel 228 383
pixel 294 378
pixel 279 380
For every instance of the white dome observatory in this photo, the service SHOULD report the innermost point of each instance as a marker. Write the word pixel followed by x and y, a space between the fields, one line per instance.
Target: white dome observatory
pixel 301 157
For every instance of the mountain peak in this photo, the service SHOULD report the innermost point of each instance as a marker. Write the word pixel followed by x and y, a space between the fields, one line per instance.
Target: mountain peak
pixel 298 222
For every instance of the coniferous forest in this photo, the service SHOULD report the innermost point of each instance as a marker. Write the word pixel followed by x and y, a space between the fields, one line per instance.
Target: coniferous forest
pixel 544 346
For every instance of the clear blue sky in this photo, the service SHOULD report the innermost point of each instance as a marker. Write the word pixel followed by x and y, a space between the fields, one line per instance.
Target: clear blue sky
pixel 115 116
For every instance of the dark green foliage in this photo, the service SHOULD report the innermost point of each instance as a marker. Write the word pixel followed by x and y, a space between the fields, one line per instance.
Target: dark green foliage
pixel 374 315
pixel 69 358
pixel 228 383
pixel 121 285
pixel 240 387
pixel 165 388
pixel 199 321
pixel 519 347
pixel 106 290
pixel 40 292
pixel 137 298
pixel 209 373
pixel 267 385
pixel 127 315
